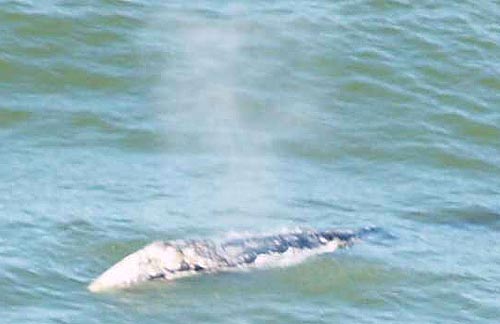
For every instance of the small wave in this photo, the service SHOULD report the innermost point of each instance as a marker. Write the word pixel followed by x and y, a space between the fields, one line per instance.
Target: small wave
pixel 459 217
pixel 292 256
pixel 10 118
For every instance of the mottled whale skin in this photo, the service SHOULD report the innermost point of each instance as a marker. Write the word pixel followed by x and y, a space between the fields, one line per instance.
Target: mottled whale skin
pixel 172 260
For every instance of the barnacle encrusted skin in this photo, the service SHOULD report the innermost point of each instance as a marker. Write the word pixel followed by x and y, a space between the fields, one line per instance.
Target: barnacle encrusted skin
pixel 172 260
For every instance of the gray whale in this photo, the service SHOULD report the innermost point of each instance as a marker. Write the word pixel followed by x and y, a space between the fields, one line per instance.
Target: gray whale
pixel 172 260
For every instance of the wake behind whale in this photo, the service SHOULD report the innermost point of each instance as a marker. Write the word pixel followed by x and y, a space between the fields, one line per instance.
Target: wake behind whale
pixel 176 259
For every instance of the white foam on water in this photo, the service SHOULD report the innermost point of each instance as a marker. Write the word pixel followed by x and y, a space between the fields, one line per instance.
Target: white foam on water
pixel 292 256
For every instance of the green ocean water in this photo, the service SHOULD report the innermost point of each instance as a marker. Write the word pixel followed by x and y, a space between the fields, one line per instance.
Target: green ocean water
pixel 124 122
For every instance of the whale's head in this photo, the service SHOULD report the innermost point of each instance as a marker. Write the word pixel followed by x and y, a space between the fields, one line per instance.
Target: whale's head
pixel 156 260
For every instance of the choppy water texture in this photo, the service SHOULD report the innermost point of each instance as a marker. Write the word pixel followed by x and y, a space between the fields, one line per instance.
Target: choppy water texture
pixel 122 122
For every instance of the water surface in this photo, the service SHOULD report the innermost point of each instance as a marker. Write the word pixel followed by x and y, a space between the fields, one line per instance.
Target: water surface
pixel 122 122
